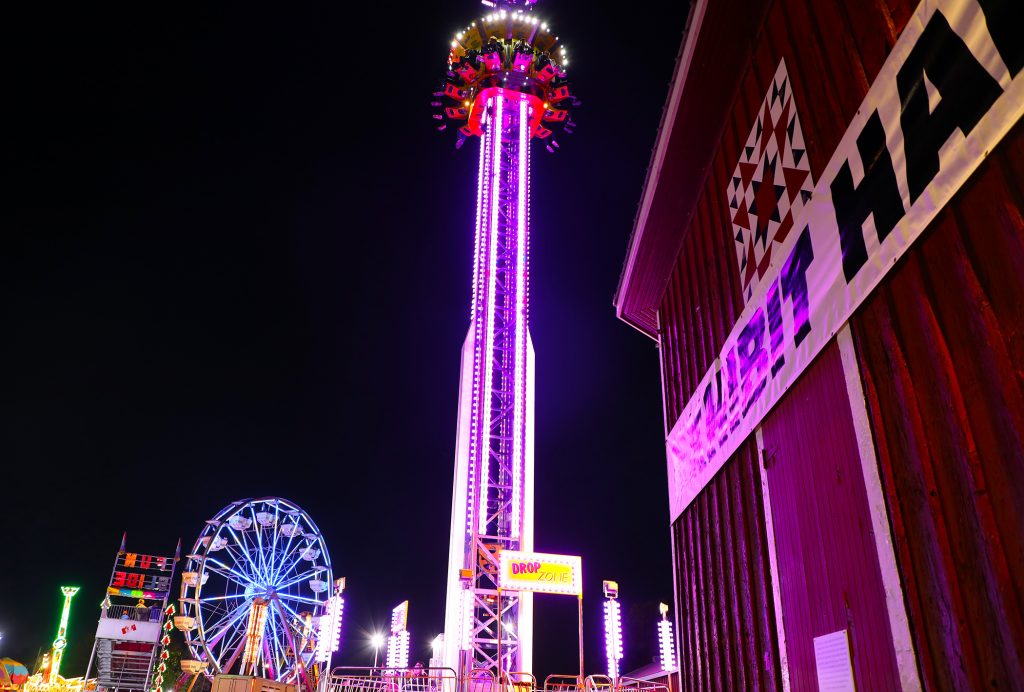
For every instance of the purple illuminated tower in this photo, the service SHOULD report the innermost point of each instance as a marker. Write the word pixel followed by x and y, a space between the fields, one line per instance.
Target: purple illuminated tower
pixel 506 85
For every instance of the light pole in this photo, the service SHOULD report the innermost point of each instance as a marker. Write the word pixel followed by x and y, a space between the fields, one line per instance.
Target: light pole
pixel 612 629
pixel 329 634
pixel 377 640
pixel 398 642
pixel 666 644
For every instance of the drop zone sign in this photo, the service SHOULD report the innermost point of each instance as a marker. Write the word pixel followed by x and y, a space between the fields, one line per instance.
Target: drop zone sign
pixel 949 91
pixel 540 572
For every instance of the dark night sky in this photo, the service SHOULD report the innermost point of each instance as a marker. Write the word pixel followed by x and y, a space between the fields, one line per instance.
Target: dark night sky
pixel 235 262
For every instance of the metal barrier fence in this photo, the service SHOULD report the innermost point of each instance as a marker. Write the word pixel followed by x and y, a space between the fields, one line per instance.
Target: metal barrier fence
pixel 562 683
pixel 634 685
pixel 603 683
pixel 358 679
pixel 480 680
pixel 518 681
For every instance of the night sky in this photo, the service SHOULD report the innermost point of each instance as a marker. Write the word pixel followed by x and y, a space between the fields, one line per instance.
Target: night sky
pixel 236 261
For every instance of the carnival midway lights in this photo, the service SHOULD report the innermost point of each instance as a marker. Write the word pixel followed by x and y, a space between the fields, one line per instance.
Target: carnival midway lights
pixel 49 679
pixel 258 596
pixel 61 642
pixel 505 85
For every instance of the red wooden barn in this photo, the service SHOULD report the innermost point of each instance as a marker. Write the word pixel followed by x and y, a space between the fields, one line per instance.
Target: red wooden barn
pixel 829 253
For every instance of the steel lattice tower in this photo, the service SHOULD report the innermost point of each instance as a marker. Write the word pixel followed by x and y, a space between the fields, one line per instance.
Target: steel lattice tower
pixel 506 85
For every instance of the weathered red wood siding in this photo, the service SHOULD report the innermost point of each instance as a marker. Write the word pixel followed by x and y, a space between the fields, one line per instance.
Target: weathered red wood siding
pixel 941 348
pixel 727 630
pixel 832 51
pixel 829 577
pixel 703 298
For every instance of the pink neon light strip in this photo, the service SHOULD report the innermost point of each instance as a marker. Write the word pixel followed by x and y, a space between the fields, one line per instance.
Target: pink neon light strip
pixel 520 357
pixel 492 275
pixel 482 200
pixel 481 186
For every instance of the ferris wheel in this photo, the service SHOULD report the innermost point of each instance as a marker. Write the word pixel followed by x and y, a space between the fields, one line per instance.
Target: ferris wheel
pixel 254 591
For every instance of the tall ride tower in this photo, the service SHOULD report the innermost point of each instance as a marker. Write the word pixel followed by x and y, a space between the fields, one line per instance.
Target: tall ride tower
pixel 506 85
pixel 61 642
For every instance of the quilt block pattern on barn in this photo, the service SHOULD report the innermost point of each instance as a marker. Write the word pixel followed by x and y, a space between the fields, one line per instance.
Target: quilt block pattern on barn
pixel 771 183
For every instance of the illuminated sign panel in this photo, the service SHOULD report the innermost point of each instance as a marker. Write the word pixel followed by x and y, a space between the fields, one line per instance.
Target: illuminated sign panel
pixel 541 572
pixel 400 617
pixel 139 581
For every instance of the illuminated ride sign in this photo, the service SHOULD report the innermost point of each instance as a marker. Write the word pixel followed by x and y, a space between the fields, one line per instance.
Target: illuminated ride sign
pixel 139 580
pixel 400 617
pixel 541 573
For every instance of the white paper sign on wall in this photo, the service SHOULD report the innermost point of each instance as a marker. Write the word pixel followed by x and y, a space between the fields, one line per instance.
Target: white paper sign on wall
pixel 832 662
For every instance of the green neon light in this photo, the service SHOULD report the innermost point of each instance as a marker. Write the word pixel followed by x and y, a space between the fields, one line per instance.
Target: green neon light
pixel 61 642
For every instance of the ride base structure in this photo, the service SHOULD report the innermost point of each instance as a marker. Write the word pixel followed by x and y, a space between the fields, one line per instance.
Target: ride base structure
pixel 132 619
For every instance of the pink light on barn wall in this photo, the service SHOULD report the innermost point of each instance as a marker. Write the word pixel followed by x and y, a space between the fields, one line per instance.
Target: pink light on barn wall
pixel 506 83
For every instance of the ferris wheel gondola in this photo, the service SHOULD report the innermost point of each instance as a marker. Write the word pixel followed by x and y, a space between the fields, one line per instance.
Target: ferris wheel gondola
pixel 254 588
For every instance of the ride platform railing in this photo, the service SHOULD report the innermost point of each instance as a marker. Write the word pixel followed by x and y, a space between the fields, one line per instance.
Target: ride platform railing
pixel 130 612
pixel 636 685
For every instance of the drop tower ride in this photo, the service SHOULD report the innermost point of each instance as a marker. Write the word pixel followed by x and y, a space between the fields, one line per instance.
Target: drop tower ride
pixel 506 85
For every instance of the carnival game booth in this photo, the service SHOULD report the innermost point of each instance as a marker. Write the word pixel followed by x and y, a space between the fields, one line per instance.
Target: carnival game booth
pixel 829 252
